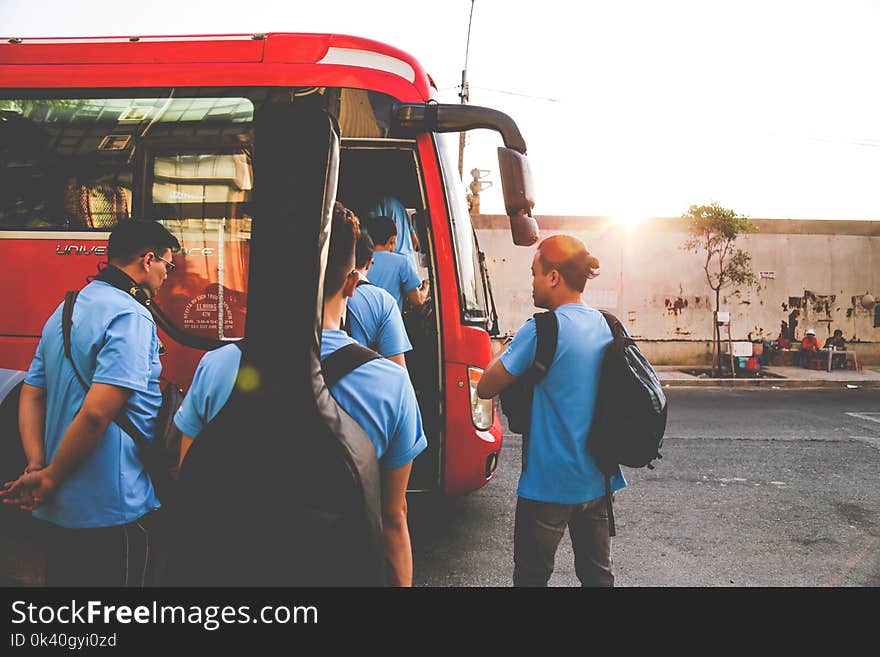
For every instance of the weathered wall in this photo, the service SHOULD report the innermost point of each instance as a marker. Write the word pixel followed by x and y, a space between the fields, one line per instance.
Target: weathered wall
pixel 820 270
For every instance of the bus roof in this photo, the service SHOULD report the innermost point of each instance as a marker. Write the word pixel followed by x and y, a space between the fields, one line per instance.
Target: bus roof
pixel 272 59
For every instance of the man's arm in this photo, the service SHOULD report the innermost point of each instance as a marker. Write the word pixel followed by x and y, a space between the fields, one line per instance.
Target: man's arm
pixel 32 425
pixel 394 525
pixel 418 296
pixel 495 379
pixel 102 404
pixel 185 443
pixel 400 359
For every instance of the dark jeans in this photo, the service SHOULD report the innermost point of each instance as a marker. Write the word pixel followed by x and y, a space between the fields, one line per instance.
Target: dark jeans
pixel 119 556
pixel 538 528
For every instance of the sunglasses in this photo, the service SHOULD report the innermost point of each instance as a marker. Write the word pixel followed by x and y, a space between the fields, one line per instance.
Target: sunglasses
pixel 169 266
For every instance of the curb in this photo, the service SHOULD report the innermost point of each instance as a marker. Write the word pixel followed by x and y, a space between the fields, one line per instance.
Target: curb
pixel 764 383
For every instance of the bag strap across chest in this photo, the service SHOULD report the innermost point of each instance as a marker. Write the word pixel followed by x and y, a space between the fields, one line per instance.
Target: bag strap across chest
pixel 122 418
pixel 345 360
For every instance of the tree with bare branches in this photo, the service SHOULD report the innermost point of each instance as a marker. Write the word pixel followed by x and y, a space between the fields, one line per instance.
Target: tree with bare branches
pixel 713 233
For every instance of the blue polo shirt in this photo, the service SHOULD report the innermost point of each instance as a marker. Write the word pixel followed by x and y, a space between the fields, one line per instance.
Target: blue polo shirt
pixel 378 396
pixel 375 321
pixel 113 340
pixel 394 273
pixel 558 467
pixel 389 206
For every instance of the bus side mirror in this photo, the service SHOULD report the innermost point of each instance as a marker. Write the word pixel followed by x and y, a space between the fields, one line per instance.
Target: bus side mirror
pixel 519 195
pixel 516 176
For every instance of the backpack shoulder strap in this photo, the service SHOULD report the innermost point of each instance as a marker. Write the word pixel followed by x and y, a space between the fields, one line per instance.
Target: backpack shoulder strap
pixel 619 333
pixel 547 335
pixel 610 319
pixel 122 418
pixel 345 360
pixel 346 325
pixel 66 325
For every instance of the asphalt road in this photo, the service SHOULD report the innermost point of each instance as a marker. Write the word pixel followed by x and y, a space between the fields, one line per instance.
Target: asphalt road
pixel 757 487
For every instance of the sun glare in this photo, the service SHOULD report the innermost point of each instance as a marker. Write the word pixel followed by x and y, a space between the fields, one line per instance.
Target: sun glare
pixel 628 220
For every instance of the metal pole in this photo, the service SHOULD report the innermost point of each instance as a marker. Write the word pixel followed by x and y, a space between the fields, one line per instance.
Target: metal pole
pixel 464 95
pixel 730 349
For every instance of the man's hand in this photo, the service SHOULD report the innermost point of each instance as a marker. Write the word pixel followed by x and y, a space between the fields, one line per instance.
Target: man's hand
pixel 419 295
pixel 30 490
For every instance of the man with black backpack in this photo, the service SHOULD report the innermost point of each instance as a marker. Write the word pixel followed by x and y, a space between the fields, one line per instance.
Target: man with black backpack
pixel 375 392
pixel 84 474
pixel 560 485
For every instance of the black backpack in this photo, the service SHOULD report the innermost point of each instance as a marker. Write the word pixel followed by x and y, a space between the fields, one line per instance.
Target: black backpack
pixel 630 415
pixel 313 534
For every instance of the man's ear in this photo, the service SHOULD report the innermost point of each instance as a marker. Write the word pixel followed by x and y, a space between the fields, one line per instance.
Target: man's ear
pixel 148 260
pixel 554 278
pixel 350 285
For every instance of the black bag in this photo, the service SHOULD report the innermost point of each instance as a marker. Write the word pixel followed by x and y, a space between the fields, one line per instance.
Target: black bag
pixel 161 455
pixel 516 399
pixel 630 415
pixel 306 545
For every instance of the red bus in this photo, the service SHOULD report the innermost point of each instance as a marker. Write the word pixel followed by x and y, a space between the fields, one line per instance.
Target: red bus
pixel 99 130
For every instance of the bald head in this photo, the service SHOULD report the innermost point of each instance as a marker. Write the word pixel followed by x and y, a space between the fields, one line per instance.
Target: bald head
pixel 568 256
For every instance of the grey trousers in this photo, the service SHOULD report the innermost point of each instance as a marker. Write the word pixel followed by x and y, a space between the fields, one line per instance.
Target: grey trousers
pixel 539 527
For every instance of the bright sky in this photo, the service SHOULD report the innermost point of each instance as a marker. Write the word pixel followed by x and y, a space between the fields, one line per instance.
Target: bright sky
pixel 629 108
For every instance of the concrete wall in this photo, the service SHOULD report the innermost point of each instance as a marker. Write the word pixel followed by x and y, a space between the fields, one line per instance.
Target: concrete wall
pixel 817 274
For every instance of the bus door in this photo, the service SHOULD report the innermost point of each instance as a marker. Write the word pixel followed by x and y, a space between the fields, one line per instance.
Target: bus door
pixel 369 170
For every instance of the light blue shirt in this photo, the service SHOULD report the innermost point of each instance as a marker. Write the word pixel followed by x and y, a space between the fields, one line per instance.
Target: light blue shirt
pixel 394 273
pixel 378 396
pixel 558 467
pixel 375 321
pixel 113 341
pixel 389 206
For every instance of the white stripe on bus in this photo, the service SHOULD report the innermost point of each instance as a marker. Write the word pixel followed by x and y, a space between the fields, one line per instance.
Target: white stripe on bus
pixel 367 59
pixel 137 39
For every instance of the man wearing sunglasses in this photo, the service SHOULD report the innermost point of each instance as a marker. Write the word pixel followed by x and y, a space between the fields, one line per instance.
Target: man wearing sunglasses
pixel 84 477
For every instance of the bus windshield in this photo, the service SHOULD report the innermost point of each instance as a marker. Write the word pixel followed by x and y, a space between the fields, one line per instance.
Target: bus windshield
pixel 466 255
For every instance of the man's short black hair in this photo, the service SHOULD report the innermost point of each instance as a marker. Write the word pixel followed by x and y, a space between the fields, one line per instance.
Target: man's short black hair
pixel 131 239
pixel 344 233
pixel 364 251
pixel 382 229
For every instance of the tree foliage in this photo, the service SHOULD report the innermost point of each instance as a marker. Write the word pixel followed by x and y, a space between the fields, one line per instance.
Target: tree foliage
pixel 713 233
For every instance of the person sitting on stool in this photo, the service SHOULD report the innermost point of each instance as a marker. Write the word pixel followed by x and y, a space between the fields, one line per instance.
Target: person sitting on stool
pixel 838 342
pixel 809 348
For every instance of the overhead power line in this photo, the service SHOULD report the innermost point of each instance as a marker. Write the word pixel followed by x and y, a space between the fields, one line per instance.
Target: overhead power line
pixel 514 93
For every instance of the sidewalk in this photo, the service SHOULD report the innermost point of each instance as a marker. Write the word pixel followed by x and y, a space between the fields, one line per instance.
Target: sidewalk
pixel 774 376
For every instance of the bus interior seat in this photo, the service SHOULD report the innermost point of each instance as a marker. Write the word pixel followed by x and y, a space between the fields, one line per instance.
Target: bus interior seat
pixel 96 206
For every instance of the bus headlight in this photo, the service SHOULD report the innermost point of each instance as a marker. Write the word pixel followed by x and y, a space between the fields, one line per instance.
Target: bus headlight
pixel 481 409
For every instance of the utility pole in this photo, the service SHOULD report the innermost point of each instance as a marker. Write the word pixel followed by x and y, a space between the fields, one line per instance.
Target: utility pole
pixel 464 95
